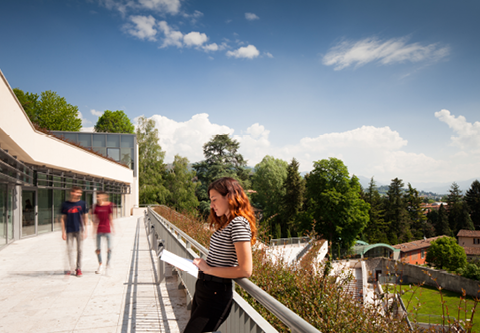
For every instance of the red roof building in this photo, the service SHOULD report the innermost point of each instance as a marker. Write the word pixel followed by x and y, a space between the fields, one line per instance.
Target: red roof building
pixel 415 252
pixel 470 241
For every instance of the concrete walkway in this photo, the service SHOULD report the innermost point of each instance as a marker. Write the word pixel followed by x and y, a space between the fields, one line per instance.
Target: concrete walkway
pixel 36 296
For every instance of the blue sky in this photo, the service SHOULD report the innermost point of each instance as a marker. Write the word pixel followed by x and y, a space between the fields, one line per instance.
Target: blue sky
pixel 391 88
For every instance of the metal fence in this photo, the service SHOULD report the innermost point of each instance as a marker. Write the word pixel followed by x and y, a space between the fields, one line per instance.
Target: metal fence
pixel 243 318
pixel 289 241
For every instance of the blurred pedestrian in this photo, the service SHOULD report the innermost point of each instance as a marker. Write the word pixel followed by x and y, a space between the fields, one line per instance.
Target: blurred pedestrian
pixel 103 227
pixel 229 256
pixel 74 227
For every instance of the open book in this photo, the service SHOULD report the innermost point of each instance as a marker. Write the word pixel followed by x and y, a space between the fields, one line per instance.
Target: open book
pixel 179 262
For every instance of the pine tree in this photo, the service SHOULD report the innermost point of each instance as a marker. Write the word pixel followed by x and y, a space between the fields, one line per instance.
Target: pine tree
pixel 396 213
pixel 442 227
pixel 455 213
pixel 376 230
pixel 293 199
pixel 415 211
pixel 472 198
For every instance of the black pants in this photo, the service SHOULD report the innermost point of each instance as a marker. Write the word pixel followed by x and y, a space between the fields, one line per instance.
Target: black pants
pixel 211 305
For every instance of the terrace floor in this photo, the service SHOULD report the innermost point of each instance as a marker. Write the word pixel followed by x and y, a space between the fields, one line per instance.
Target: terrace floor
pixel 36 295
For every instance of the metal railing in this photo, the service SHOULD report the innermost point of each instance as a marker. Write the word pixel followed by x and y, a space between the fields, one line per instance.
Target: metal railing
pixel 242 318
pixel 289 241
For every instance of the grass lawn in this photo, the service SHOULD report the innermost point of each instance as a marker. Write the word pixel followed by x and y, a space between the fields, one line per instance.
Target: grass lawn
pixel 424 300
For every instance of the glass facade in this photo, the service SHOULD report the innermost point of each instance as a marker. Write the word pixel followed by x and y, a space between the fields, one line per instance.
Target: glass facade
pixel 3 214
pixel 31 196
pixel 28 212
pixel 45 210
pixel 119 147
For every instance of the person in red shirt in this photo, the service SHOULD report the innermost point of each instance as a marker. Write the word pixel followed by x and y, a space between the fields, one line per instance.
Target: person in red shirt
pixel 103 226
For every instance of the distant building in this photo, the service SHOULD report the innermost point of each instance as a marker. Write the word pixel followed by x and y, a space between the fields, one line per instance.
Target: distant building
pixel 427 208
pixel 364 250
pixel 470 241
pixel 415 252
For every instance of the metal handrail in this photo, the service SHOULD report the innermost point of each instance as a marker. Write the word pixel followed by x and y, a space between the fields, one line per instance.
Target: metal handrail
pixel 293 321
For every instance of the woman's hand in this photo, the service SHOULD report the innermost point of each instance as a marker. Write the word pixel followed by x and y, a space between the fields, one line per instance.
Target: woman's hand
pixel 201 264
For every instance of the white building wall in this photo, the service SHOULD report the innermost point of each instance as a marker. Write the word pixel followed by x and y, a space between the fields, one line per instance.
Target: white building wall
pixel 18 135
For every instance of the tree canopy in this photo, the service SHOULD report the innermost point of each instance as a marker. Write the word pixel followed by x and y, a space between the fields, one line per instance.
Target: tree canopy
pixel 114 122
pixel 151 168
pixel 51 112
pixel 222 159
pixel 339 211
pixel 445 253
pixel 472 198
pixel 179 181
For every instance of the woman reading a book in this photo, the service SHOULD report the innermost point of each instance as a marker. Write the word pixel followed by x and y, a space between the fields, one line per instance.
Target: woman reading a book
pixel 229 256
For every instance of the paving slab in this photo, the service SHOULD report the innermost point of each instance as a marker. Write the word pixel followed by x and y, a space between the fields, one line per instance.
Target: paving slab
pixel 36 295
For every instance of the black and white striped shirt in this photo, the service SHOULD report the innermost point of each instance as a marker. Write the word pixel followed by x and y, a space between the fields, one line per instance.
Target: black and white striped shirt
pixel 222 249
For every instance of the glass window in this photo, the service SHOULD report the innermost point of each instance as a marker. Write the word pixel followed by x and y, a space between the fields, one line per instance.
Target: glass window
pixel 114 153
pixel 3 214
pixel 127 158
pixel 57 181
pixel 44 210
pixel 113 140
pixel 28 213
pixel 58 199
pixel 85 139
pixel 127 141
pixel 101 150
pixel 99 140
pixel 70 136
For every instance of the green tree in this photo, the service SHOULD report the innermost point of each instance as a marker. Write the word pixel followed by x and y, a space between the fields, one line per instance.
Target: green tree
pixel 55 114
pixel 376 230
pixel 472 198
pixel 222 159
pixel 179 181
pixel 455 209
pixel 29 103
pixel 151 168
pixel 415 211
pixel 445 253
pixel 339 211
pixel 442 227
pixel 292 201
pixel 114 122
pixel 396 213
pixel 470 271
pixel 267 180
pixel 51 112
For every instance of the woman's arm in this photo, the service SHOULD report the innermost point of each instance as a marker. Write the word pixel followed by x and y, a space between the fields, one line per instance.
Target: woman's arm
pixel 243 270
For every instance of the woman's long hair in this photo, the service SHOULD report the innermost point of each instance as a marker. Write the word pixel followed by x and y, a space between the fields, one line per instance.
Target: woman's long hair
pixel 238 202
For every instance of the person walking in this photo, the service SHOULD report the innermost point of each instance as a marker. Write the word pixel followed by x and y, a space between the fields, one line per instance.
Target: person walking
pixel 74 227
pixel 103 227
pixel 229 256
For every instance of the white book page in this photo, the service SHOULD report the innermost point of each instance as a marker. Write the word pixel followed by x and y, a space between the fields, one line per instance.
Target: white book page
pixel 179 262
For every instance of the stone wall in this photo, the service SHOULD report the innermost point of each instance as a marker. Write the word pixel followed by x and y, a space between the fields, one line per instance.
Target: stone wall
pixel 413 274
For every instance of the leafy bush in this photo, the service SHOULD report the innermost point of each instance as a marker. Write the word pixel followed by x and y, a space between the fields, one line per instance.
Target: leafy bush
pixel 323 300
pixel 470 271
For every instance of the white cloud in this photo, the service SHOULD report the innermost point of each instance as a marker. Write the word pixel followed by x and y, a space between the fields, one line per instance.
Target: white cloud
pixel 172 37
pixel 268 54
pixel 394 50
pixel 85 121
pixel 194 38
pixel 143 27
pixel 249 52
pixel 467 135
pixel 87 129
pixel 186 138
pixel 251 16
pixel 211 47
pixel 366 151
pixel 167 6
pixel 96 113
